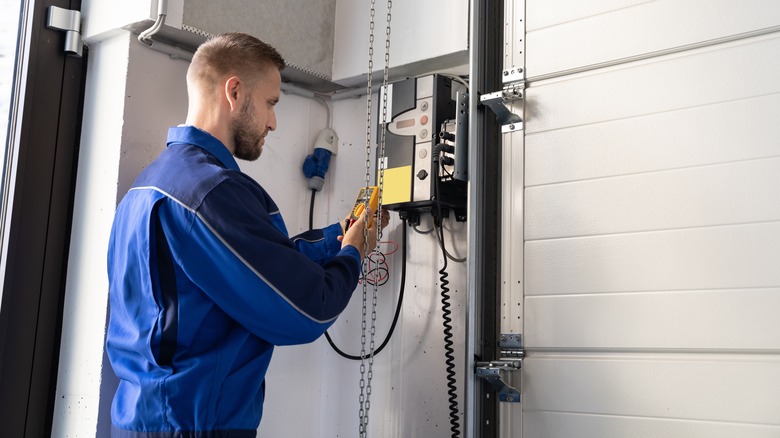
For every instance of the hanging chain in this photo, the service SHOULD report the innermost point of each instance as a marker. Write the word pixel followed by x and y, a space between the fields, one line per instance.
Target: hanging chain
pixel 362 399
pixel 381 160
pixel 366 376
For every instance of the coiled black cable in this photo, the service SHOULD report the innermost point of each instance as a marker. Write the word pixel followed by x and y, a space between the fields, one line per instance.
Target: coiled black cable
pixel 449 350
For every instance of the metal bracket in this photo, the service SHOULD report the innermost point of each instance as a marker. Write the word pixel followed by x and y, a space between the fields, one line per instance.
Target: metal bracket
pixel 497 101
pixel 70 22
pixel 491 371
pixel 511 347
pixel 514 74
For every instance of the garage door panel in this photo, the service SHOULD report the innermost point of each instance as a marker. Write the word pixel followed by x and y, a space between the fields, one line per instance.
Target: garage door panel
pixel 562 38
pixel 724 194
pixel 541 14
pixel 723 388
pixel 727 257
pixel 700 135
pixel 651 227
pixel 566 425
pixel 747 320
pixel 733 71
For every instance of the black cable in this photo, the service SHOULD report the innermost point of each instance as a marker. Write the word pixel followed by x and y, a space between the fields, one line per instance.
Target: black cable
pixel 397 307
pixel 400 293
pixel 418 231
pixel 375 269
pixel 447 253
pixel 438 239
pixel 311 210
pixel 449 350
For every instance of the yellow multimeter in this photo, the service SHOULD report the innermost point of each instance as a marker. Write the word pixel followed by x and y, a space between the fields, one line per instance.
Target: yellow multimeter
pixel 372 194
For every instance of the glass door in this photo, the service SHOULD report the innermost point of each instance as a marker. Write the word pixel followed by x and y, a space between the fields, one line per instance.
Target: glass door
pixel 11 12
pixel 41 95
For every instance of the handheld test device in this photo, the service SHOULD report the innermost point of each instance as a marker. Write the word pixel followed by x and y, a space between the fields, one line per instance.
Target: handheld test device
pixel 371 194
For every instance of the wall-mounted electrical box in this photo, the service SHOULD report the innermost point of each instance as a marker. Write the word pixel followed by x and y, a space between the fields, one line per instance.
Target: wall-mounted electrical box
pixel 424 163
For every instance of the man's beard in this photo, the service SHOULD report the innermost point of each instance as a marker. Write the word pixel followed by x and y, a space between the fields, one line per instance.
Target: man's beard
pixel 245 136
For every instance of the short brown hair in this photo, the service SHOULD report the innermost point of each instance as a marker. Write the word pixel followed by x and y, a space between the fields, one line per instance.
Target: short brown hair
pixel 232 53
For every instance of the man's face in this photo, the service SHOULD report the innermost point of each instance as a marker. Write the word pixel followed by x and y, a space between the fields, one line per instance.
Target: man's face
pixel 256 117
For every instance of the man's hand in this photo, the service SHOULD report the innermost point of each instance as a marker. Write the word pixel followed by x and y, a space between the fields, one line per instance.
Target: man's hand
pixel 355 235
pixel 385 218
pixel 385 221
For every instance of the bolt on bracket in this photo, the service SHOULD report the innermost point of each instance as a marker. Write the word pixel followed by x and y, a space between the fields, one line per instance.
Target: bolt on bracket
pixel 497 101
pixel 491 371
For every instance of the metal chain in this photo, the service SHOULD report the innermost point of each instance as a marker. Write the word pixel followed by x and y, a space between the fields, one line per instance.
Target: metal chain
pixel 362 412
pixel 380 159
pixel 367 376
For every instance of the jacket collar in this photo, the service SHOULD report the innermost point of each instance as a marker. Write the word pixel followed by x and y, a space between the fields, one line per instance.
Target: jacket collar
pixel 186 134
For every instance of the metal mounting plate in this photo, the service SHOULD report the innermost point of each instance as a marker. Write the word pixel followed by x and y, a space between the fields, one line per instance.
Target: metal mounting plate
pixel 491 371
pixel 497 101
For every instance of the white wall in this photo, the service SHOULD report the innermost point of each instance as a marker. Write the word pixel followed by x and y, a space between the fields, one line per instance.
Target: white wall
pixel 81 350
pixel 425 35
pixel 312 382
pixel 125 128
pixel 102 18
pixel 133 95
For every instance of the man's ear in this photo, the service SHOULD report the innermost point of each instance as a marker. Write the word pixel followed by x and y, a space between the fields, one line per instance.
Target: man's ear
pixel 232 92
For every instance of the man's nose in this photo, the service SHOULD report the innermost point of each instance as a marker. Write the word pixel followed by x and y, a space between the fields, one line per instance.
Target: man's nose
pixel 271 121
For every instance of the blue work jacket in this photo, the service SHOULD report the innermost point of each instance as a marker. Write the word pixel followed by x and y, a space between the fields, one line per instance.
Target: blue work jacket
pixel 204 281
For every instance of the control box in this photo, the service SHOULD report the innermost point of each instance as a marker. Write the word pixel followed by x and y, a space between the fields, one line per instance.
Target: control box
pixel 425 145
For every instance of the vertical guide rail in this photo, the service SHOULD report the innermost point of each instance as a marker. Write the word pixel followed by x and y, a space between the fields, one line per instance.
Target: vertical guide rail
pixel 511 263
pixel 483 212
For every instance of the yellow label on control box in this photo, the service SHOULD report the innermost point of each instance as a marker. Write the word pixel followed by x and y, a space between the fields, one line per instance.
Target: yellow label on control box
pixel 397 186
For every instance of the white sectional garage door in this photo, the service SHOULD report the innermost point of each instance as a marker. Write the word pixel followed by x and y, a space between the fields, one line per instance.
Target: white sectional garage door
pixel 651 219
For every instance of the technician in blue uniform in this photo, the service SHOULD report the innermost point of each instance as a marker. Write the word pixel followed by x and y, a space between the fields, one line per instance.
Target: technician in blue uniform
pixel 204 279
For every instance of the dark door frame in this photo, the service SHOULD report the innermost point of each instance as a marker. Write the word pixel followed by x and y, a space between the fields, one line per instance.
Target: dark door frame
pixel 39 227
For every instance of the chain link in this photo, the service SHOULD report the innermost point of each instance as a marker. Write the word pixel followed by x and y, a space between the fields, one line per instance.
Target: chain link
pixel 367 375
pixel 362 399
pixel 381 185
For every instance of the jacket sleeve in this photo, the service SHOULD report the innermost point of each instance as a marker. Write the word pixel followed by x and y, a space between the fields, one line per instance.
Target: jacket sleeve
pixel 232 251
pixel 319 245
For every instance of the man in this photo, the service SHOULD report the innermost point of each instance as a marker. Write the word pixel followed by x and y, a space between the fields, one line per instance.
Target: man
pixel 203 278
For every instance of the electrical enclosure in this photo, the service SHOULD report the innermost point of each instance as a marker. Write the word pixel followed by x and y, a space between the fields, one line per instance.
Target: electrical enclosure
pixel 422 113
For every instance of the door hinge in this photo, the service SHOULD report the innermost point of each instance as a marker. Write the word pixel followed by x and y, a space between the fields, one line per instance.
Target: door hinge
pixel 512 353
pixel 497 102
pixel 511 345
pixel 68 21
